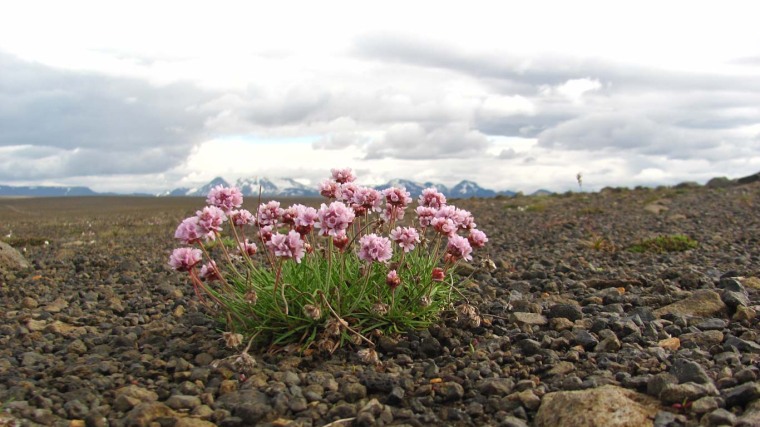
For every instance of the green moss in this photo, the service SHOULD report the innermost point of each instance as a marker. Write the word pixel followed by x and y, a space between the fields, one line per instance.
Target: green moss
pixel 661 244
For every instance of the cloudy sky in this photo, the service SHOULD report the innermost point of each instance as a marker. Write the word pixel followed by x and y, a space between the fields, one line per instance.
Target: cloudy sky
pixel 148 96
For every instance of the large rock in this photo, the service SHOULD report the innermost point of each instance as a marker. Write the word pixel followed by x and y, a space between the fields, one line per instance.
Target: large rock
pixel 11 259
pixel 702 303
pixel 755 177
pixel 606 406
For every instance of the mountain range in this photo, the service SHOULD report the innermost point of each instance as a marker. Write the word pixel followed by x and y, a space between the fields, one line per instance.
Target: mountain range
pixel 288 187
pixel 282 187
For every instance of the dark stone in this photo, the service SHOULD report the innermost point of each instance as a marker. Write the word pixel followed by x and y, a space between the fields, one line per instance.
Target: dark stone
pixel 585 339
pixel 396 396
pixel 529 347
pixel 741 345
pixel 568 311
pixel 688 371
pixel 740 395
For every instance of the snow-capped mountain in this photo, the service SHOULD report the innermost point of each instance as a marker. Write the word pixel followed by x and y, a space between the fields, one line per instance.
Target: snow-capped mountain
pixel 467 189
pixel 277 187
pixel 289 187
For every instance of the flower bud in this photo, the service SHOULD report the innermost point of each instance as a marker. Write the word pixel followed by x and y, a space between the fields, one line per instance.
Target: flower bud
pixel 438 274
pixel 392 279
pixel 251 297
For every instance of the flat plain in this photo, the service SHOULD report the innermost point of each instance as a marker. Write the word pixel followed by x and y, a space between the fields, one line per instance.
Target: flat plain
pixel 637 306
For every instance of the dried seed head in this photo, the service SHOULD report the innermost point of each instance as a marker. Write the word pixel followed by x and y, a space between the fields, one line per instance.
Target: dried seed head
pixel 326 345
pixel 488 265
pixel 232 340
pixel 245 362
pixel 251 297
pixel 335 327
pixel 380 309
pixel 312 311
pixel 368 356
pixel 425 301
pixel 466 310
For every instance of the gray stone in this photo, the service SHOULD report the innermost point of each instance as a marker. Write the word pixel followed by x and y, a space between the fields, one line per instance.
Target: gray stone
pixel 741 345
pixel 179 401
pixel 701 303
pixel 529 318
pixel 496 386
pixel 734 299
pixel 712 324
pixel 720 417
pixel 689 371
pixel 679 393
pixel 450 391
pixel 11 259
pixel 608 406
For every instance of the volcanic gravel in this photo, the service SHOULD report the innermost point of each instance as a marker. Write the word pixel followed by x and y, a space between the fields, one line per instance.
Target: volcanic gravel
pixel 98 331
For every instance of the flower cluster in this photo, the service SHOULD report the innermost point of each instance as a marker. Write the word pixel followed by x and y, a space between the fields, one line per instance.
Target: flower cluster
pixel 355 257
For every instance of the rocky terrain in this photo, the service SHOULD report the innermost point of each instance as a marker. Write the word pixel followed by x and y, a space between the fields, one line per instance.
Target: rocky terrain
pixel 582 323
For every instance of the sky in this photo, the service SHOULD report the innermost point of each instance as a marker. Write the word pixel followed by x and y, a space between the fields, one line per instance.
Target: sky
pixel 146 96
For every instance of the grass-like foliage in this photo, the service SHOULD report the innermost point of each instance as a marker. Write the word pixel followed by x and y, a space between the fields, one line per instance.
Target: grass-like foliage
pixel 661 244
pixel 321 278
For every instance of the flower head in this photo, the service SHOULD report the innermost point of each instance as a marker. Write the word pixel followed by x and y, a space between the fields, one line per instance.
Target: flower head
pixel 210 272
pixel 225 198
pixel 464 219
pixel 477 238
pixel 329 189
pixel 269 213
pixel 393 213
pixel 247 247
pixel 392 279
pixel 287 245
pixel 241 217
pixel 188 231
pixel 342 176
pixel 438 275
pixel 346 192
pixel 425 215
pixel 368 198
pixel 459 248
pixel 405 237
pixel 334 219
pixel 184 259
pixel 431 198
pixel 210 221
pixel 375 248
pixel 445 220
pixel 397 196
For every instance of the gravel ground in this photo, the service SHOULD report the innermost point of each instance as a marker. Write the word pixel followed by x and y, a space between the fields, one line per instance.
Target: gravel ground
pixel 576 329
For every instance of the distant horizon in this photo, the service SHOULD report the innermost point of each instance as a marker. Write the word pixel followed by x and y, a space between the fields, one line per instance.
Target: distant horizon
pixel 575 189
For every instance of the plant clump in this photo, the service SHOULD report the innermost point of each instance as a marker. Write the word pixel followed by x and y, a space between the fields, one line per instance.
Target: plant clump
pixel 661 244
pixel 356 268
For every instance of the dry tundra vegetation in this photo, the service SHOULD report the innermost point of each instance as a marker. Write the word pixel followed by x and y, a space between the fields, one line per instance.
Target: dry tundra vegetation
pixel 625 307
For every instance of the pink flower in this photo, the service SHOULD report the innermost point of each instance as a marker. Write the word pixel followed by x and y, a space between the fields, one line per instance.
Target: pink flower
pixel 334 219
pixel 184 259
pixel 188 231
pixel 445 221
pixel 342 176
pixel 393 213
pixel 287 245
pixel 431 198
pixel 438 275
pixel 405 237
pixel 269 214
pixel 340 241
pixel 210 272
pixel 265 233
pixel 477 238
pixel 397 196
pixel 425 215
pixel 375 248
pixel 368 198
pixel 459 248
pixel 210 221
pixel 346 192
pixel 241 217
pixel 225 198
pixel 247 247
pixel 392 279
pixel 464 219
pixel 329 189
